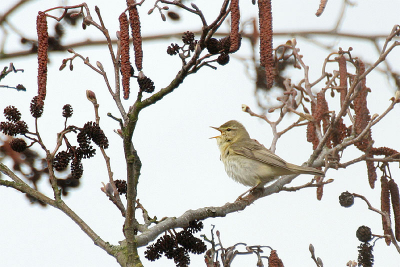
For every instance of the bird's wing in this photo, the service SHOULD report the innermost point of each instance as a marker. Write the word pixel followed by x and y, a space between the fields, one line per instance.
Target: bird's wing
pixel 253 150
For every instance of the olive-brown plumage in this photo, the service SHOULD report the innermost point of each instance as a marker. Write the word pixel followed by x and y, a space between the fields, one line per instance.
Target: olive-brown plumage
pixel 249 162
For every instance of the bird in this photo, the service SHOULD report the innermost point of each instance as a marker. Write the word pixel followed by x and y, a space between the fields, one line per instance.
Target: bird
pixel 250 163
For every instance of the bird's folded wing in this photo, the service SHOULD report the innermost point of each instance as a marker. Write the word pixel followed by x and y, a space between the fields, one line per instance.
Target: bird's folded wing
pixel 253 150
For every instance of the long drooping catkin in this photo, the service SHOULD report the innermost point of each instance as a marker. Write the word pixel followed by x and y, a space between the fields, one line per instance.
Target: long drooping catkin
pixel 343 78
pixel 125 63
pixel 41 26
pixel 385 207
pixel 395 197
pixel 266 33
pixel 235 20
pixel 136 35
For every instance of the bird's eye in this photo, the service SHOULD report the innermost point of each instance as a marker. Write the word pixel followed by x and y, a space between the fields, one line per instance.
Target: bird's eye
pixel 229 129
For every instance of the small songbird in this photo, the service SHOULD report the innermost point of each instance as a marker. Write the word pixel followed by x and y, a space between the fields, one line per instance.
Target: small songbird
pixel 249 162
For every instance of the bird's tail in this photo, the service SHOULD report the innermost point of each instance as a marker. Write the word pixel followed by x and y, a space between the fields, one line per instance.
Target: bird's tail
pixel 305 170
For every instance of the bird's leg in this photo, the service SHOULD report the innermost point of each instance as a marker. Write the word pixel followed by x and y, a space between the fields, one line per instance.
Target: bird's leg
pixel 241 196
pixel 248 191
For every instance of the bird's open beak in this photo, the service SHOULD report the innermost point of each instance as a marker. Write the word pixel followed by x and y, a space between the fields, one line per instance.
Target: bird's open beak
pixel 216 128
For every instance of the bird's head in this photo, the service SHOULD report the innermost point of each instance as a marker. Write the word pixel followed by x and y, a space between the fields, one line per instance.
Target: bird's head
pixel 231 132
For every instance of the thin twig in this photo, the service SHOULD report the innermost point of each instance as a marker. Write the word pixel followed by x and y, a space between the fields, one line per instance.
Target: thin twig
pixel 384 214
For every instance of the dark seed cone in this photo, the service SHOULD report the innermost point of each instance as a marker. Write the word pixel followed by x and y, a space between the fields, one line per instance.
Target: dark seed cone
pixel 76 168
pixel 225 44
pixel 365 256
pixel 173 49
pixel 12 114
pixel 213 46
pixel 36 107
pixel 12 129
pixel 346 199
pixel 92 131
pixel 8 128
pixel 18 144
pixel 67 111
pixel 181 257
pixel 67 183
pixel 61 160
pixel 146 84
pixel 223 59
pixel 188 37
pixel 195 226
pixel 121 186
pixel 152 253
pixel 191 243
pixel 364 233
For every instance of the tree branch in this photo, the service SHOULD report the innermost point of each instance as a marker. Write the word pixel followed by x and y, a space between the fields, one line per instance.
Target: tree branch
pixel 21 186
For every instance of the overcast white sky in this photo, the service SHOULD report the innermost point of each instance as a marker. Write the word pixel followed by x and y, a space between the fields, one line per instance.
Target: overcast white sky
pixel 181 168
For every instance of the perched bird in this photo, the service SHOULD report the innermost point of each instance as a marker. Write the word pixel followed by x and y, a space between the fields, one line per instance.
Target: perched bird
pixel 249 162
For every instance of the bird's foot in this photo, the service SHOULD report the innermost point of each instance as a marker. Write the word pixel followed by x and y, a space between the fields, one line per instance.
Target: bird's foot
pixel 252 193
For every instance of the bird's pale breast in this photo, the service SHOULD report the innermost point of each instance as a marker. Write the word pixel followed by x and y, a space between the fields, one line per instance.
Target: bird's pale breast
pixel 248 172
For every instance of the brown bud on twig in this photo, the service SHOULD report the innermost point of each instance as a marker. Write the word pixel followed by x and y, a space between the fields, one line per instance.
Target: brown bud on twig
pixel 107 188
pixel 235 20
pixel 397 96
pixel 266 48
pixel 385 207
pixel 173 15
pixel 91 96
pixel 163 17
pixel 125 63
pixel 311 249
pixel 395 196
pixel 245 108
pixel 41 26
pixel 99 65
pixel 63 65
pixel 136 35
